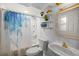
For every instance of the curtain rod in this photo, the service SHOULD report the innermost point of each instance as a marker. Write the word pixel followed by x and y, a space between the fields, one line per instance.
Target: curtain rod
pixel 20 12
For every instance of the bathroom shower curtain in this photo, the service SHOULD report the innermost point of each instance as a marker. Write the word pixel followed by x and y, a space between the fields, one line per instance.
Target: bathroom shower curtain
pixel 15 31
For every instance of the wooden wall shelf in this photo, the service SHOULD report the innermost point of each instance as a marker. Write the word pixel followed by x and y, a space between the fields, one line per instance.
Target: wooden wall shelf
pixel 68 9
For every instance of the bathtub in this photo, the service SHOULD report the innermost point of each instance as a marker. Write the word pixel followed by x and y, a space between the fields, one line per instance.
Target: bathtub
pixel 57 50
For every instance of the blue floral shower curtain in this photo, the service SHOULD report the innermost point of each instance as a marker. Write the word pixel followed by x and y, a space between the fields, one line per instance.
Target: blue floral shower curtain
pixel 14 20
pixel 13 23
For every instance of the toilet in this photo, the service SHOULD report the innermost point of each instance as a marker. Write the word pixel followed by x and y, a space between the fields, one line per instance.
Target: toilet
pixel 37 50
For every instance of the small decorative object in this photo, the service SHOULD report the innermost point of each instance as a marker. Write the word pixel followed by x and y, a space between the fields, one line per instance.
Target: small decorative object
pixel 61 9
pixel 46 17
pixel 57 4
pixel 49 11
pixel 65 45
pixel 44 24
pixel 42 13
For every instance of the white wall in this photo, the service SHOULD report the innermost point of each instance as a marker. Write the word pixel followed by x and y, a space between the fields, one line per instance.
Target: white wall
pixel 49 34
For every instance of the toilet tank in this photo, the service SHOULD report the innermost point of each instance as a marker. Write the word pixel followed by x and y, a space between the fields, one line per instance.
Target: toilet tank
pixel 43 43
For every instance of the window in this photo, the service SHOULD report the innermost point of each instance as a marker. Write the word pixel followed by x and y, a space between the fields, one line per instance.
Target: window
pixel 63 20
pixel 68 24
pixel 62 23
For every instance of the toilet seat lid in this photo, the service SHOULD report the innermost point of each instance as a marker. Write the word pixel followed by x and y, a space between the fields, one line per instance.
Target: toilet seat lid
pixel 33 50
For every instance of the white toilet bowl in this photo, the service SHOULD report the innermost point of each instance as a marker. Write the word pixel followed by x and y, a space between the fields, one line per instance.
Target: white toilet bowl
pixel 37 51
pixel 34 51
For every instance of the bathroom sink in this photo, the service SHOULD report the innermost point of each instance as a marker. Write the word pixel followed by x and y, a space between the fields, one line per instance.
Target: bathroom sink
pixel 59 50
